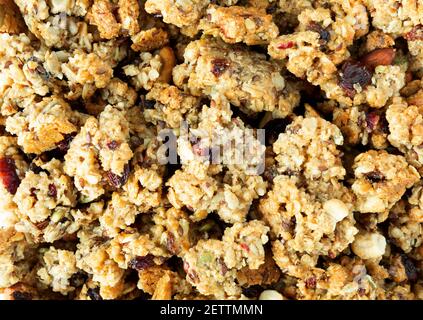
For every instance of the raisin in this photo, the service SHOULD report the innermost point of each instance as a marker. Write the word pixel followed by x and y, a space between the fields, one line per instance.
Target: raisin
pixel 94 294
pixel 252 292
pixel 147 104
pixel 375 176
pixel 118 181
pixel 271 9
pixel 354 73
pixel 20 295
pixel 410 268
pixel 141 263
pixel 219 66
pixel 78 279
pixel 323 33
pixel 113 145
pixel 63 145
pixel 8 175
pixel 52 190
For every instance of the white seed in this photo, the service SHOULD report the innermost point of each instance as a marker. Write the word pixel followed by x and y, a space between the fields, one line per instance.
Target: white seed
pixel 271 295
pixel 368 245
pixel 336 209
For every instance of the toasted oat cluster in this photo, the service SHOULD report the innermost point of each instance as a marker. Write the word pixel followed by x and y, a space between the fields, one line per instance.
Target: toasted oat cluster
pixel 199 149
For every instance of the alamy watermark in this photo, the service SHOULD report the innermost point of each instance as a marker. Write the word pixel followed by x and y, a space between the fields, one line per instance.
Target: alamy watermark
pixel 234 146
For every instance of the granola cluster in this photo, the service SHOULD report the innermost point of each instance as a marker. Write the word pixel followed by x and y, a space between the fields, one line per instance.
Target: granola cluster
pixel 199 149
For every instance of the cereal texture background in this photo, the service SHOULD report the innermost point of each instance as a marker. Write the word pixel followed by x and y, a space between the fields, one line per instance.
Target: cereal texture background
pixel 88 210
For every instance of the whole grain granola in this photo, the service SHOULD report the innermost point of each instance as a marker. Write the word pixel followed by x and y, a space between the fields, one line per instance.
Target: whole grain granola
pixel 199 149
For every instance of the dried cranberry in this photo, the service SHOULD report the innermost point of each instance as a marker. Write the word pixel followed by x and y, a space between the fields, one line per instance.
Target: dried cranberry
pixel 94 294
pixel 219 66
pixel 372 120
pixel 311 283
pixel 141 263
pixel 415 34
pixel 113 145
pixel 52 191
pixel 354 73
pixel 286 45
pixel 245 247
pixel 8 175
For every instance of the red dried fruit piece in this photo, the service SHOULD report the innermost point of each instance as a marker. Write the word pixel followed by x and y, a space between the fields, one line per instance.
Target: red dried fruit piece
pixel 219 66
pixel 118 181
pixel 52 191
pixel 245 247
pixel 354 73
pixel 415 34
pixel 286 45
pixel 8 175
pixel 311 283
pixel 372 120
pixel 378 57
pixel 113 145
pixel 142 263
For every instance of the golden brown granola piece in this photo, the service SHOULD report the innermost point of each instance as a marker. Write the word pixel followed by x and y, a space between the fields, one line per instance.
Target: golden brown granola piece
pixel 360 125
pixel 239 75
pixel 406 129
pixel 309 146
pixel 376 40
pixel 10 18
pixel 102 15
pixel 239 24
pixel 406 222
pixel 212 265
pixel 268 273
pixel 307 222
pixel 41 126
pixel 162 283
pixel 149 40
pixel 172 105
pixel 381 180
pixel 180 13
